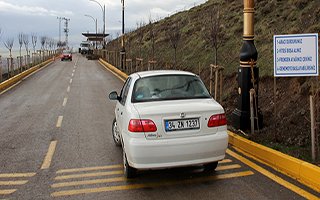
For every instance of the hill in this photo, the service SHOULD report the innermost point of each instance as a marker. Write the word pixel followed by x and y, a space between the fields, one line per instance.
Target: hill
pixel 286 121
pixel 271 17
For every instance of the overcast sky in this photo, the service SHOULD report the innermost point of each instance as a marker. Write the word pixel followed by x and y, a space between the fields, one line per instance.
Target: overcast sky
pixel 40 16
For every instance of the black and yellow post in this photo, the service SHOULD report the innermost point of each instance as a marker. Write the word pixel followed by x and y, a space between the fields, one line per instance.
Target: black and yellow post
pixel 248 73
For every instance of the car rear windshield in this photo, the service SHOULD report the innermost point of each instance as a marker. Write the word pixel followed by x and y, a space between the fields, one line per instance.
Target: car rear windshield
pixel 168 87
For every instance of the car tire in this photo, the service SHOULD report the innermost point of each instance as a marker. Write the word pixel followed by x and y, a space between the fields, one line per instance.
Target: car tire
pixel 115 133
pixel 210 166
pixel 129 172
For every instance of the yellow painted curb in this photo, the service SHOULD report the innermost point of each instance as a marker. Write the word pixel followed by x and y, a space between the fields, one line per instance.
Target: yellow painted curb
pixel 6 84
pixel 114 69
pixel 302 171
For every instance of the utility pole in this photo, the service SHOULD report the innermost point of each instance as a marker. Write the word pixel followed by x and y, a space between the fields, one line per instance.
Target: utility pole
pixel 104 26
pixel 248 73
pixel 66 29
pixel 59 18
pixel 123 50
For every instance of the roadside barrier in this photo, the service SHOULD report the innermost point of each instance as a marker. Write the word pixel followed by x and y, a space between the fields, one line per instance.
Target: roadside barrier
pixel 114 69
pixel 300 170
pixel 8 83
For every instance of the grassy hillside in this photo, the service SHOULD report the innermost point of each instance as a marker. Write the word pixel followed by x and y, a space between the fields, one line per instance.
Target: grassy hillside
pixel 271 17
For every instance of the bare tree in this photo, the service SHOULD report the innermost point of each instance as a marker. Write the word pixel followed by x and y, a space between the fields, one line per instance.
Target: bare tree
pixel 128 44
pixel 9 44
pixel 140 33
pixel 43 40
pixel 174 36
pixel 61 44
pixel 26 45
pixel 20 40
pixel 34 41
pixel 213 33
pixel 51 44
pixel 152 37
pixel 118 44
pixel 47 43
pixel 26 42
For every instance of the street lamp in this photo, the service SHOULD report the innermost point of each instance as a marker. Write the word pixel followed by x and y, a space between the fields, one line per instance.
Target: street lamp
pixel 123 50
pixel 95 20
pixel 248 73
pixel 103 8
pixel 59 18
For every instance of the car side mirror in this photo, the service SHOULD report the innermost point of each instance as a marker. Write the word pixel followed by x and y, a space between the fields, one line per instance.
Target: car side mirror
pixel 114 96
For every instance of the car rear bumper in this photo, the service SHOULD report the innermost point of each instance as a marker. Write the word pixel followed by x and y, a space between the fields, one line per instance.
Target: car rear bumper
pixel 166 153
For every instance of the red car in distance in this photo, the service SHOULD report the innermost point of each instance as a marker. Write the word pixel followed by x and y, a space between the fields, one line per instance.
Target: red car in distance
pixel 66 55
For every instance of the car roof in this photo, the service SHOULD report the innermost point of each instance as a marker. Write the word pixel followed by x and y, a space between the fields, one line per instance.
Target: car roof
pixel 162 72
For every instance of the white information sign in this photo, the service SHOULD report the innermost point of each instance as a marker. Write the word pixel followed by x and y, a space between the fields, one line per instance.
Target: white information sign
pixel 296 55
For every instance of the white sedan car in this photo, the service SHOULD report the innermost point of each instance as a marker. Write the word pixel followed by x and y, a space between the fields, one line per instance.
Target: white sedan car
pixel 168 119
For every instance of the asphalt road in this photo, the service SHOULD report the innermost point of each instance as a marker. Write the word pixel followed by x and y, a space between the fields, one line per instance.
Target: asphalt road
pixel 56 143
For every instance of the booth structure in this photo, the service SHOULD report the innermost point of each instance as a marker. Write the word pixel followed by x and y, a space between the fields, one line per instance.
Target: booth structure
pixel 97 39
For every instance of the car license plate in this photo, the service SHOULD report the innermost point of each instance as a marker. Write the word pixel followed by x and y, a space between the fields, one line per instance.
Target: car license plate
pixel 182 124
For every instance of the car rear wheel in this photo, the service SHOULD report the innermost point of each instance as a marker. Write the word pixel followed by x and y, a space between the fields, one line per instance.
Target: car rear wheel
pixel 129 172
pixel 115 133
pixel 210 166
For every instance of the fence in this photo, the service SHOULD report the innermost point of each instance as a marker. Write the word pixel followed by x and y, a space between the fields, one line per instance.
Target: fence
pixel 315 119
pixel 10 67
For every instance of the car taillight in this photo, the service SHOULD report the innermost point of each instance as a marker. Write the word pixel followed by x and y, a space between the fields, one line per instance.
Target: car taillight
pixel 142 125
pixel 217 120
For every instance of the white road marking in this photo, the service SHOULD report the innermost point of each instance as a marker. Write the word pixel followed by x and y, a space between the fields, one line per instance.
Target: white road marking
pixel 68 89
pixel 76 62
pixel 65 100
pixel 70 81
pixel 59 122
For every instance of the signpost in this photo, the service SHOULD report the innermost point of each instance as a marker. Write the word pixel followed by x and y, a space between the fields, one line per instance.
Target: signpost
pixel 296 55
